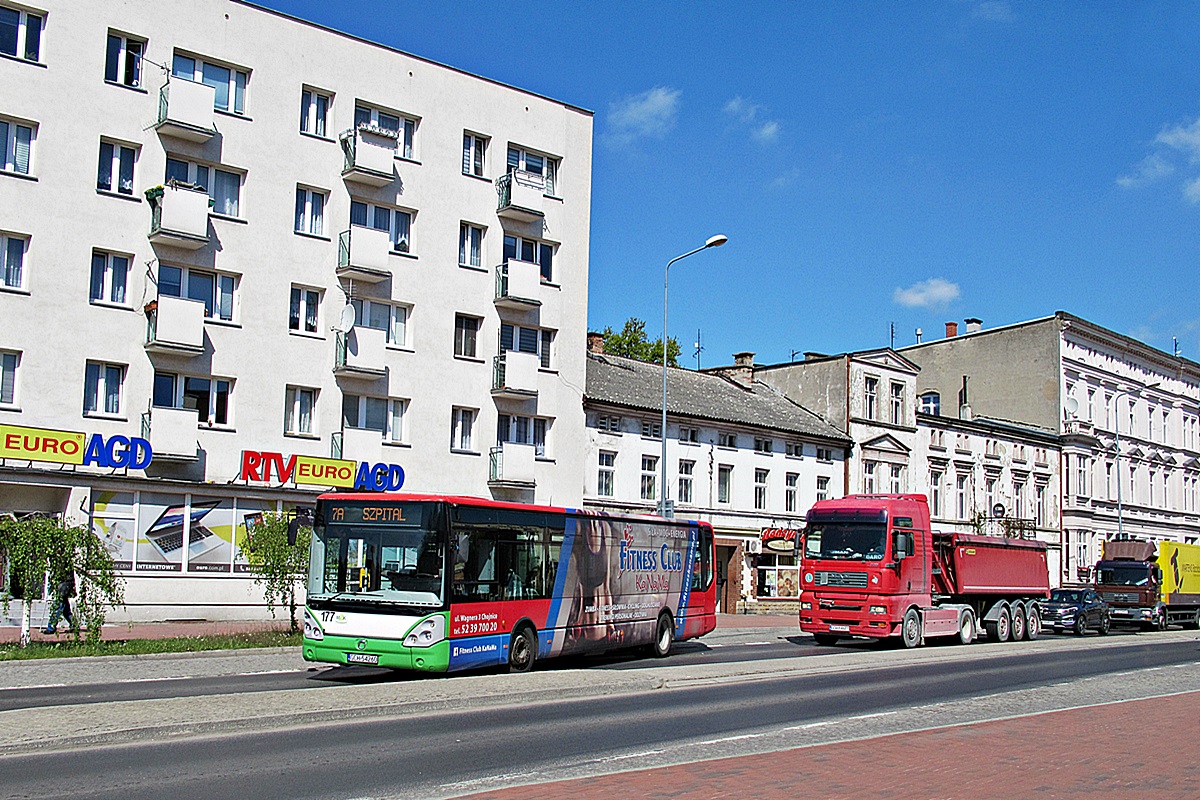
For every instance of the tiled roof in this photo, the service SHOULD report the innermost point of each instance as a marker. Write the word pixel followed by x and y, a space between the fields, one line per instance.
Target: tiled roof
pixel 638 385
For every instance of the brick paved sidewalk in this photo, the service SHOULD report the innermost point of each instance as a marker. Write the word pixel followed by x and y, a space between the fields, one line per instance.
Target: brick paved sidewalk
pixel 1137 750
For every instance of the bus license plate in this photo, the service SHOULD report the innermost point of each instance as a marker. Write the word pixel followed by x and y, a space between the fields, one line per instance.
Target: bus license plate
pixel 362 658
pixel 842 628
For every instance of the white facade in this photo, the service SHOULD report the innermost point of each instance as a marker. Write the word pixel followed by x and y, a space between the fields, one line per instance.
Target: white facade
pixel 328 169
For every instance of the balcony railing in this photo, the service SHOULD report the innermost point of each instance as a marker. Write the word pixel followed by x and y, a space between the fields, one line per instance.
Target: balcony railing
pixel 1011 527
pixel 370 155
pixel 185 110
pixel 518 285
pixel 179 216
pixel 175 325
pixel 363 254
pixel 514 374
pixel 521 196
pixel 361 353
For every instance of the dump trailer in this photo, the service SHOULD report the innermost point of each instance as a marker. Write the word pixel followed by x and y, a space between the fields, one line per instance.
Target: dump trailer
pixel 871 566
pixel 1150 585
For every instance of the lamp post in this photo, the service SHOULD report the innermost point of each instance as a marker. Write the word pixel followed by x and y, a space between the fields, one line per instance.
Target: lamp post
pixel 1117 437
pixel 713 241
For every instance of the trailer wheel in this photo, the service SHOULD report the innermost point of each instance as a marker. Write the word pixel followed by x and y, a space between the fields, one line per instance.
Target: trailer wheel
pixel 966 628
pixel 1033 621
pixel 910 630
pixel 1001 628
pixel 1018 622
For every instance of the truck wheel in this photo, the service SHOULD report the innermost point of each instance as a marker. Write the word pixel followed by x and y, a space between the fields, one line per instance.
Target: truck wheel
pixel 1194 623
pixel 1018 622
pixel 825 639
pixel 966 628
pixel 1033 622
pixel 910 630
pixel 1001 629
pixel 1162 620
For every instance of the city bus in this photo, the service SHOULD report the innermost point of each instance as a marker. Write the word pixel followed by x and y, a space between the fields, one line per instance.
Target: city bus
pixel 442 583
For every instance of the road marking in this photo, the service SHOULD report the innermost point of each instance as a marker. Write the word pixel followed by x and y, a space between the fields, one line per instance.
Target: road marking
pixel 39 686
pixel 809 726
pixel 755 644
pixel 743 737
pixel 627 756
pixel 872 716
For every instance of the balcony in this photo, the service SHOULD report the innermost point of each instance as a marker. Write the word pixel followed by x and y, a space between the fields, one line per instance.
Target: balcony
pixel 360 354
pixel 171 433
pixel 518 285
pixel 356 444
pixel 363 255
pixel 521 196
pixel 512 466
pixel 370 156
pixel 185 110
pixel 179 217
pixel 514 375
pixel 175 326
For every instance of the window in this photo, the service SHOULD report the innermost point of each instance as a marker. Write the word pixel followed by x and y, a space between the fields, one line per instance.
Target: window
pixel 547 347
pixel 474 153
pixel 935 493
pixel 897 403
pixel 466 334
pixel 403 127
pixel 391 319
pixel 727 440
pixel 687 434
pixel 375 414
pixel 1039 498
pixel 527 340
pixel 223 186
pixel 793 449
pixel 760 488
pixel 609 423
pixel 960 485
pixel 791 482
pixel 937 439
pixel 110 274
pixel 649 476
pixel 897 479
pixel 931 403
pixel 102 388
pixel 686 469
pixel 16 145
pixel 20 33
pixel 310 211
pixel 12 261
pixel 209 397
pixel 304 310
pixel 215 290
pixel 1019 509
pixel 396 222
pixel 871 398
pixel 229 82
pixel 824 454
pixel 8 377
pixel 763 445
pixel 123 61
pixel 531 251
pixel 822 488
pixel 462 425
pixel 470 245
pixel 724 483
pixel 298 410
pixel 536 164
pixel 604 478
pixel 651 429
pixel 314 111
pixel 869 469
pixel 1082 467
pixel 115 171
pixel 523 430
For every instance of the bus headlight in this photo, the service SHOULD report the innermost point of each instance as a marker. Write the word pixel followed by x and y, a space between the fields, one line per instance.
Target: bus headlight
pixel 427 632
pixel 311 629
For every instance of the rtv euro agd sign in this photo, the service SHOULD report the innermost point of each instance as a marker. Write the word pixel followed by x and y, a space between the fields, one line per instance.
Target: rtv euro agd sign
pixel 260 467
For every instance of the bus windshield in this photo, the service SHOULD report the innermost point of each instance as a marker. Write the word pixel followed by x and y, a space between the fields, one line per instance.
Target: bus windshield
pixel 1124 576
pixel 390 563
pixel 845 540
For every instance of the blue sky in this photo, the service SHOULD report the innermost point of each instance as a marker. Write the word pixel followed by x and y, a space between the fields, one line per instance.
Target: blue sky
pixel 872 163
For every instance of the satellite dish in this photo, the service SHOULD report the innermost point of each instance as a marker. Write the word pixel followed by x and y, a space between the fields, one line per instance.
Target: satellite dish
pixel 1072 406
pixel 345 321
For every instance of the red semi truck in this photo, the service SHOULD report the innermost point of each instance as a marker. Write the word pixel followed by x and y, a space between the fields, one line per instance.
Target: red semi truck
pixel 871 566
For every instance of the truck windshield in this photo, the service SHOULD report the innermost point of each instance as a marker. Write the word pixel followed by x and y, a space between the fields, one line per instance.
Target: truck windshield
pixel 845 540
pixel 390 564
pixel 1124 576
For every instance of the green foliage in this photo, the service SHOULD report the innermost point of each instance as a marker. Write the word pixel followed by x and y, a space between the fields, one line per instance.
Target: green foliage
pixel 36 547
pixel 632 342
pixel 278 566
pixel 135 647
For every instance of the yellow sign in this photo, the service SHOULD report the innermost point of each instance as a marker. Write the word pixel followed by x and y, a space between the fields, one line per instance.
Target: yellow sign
pixel 40 444
pixel 324 471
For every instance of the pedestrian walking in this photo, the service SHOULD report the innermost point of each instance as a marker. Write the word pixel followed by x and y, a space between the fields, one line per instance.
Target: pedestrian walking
pixel 63 592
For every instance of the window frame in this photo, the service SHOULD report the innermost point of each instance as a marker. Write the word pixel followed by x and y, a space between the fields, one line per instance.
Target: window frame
pixel 22 269
pixel 475 152
pixel 305 216
pixel 465 335
pixel 462 429
pixel 300 300
pixel 211 171
pixel 649 483
pixel 107 282
pixel 294 410
pixel 213 409
pixel 221 289
pixel 725 484
pixel 313 120
pixel 686 472
pixel 396 334
pixel 791 492
pixel 10 141
pixel 401 240
pixel 405 130
pixel 606 473
pixel 389 434
pixel 540 251
pixel 128 72
pixel 107 168
pixel 235 90
pixel 97 376
pixel 470 245
pixel 10 366
pixel 550 170
pixel 21 50
pixel 762 479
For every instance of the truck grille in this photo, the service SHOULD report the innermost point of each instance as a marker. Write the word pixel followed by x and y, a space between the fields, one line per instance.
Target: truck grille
pixel 854 580
pixel 1119 597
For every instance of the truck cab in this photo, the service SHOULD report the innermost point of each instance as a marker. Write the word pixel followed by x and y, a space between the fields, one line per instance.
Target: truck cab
pixel 1130 581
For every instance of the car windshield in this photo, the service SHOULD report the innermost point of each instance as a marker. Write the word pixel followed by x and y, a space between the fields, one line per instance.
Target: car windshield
pixel 381 563
pixel 1125 576
pixel 845 541
pixel 1064 596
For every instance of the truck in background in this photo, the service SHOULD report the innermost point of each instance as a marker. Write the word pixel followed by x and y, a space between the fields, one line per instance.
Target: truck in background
pixel 871 566
pixel 1150 585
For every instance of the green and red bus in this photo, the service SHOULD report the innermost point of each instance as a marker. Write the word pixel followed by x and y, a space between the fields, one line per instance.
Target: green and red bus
pixel 443 583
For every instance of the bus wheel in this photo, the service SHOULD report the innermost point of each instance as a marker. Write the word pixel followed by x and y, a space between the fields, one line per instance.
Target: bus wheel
pixel 910 632
pixel 522 650
pixel 664 636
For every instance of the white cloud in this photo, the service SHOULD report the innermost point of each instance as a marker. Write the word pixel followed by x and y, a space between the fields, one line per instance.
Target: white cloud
pixel 993 10
pixel 650 114
pixel 1191 190
pixel 1185 139
pixel 1153 167
pixel 1170 143
pixel 767 132
pixel 786 179
pixel 742 109
pixel 933 293
pixel 752 116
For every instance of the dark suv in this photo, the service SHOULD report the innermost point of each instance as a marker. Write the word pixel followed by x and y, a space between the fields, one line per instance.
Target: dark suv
pixel 1075 610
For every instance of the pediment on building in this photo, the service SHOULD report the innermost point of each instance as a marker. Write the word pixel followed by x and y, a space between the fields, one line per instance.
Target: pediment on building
pixel 886 444
pixel 888 359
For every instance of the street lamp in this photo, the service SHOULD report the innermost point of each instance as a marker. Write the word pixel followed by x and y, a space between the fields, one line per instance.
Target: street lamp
pixel 713 241
pixel 1117 436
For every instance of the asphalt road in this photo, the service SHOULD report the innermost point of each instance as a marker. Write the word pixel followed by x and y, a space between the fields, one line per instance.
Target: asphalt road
pixel 751 693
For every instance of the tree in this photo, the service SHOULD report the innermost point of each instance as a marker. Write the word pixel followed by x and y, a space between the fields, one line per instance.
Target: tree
pixel 632 342
pixel 36 549
pixel 279 560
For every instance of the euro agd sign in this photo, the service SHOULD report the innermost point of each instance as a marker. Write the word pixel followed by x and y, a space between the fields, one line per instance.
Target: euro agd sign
pixel 72 447
pixel 260 467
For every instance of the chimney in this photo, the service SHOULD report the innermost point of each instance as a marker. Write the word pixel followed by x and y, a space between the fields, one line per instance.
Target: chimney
pixel 964 405
pixel 743 368
pixel 974 325
pixel 920 333
pixel 951 330
pixel 595 343
pixel 812 355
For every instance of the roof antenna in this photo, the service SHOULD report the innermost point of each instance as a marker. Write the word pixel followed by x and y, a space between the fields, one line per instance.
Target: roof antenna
pixel 699 349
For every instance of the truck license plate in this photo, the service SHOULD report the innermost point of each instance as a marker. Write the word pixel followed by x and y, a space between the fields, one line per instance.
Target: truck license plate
pixel 842 628
pixel 362 658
